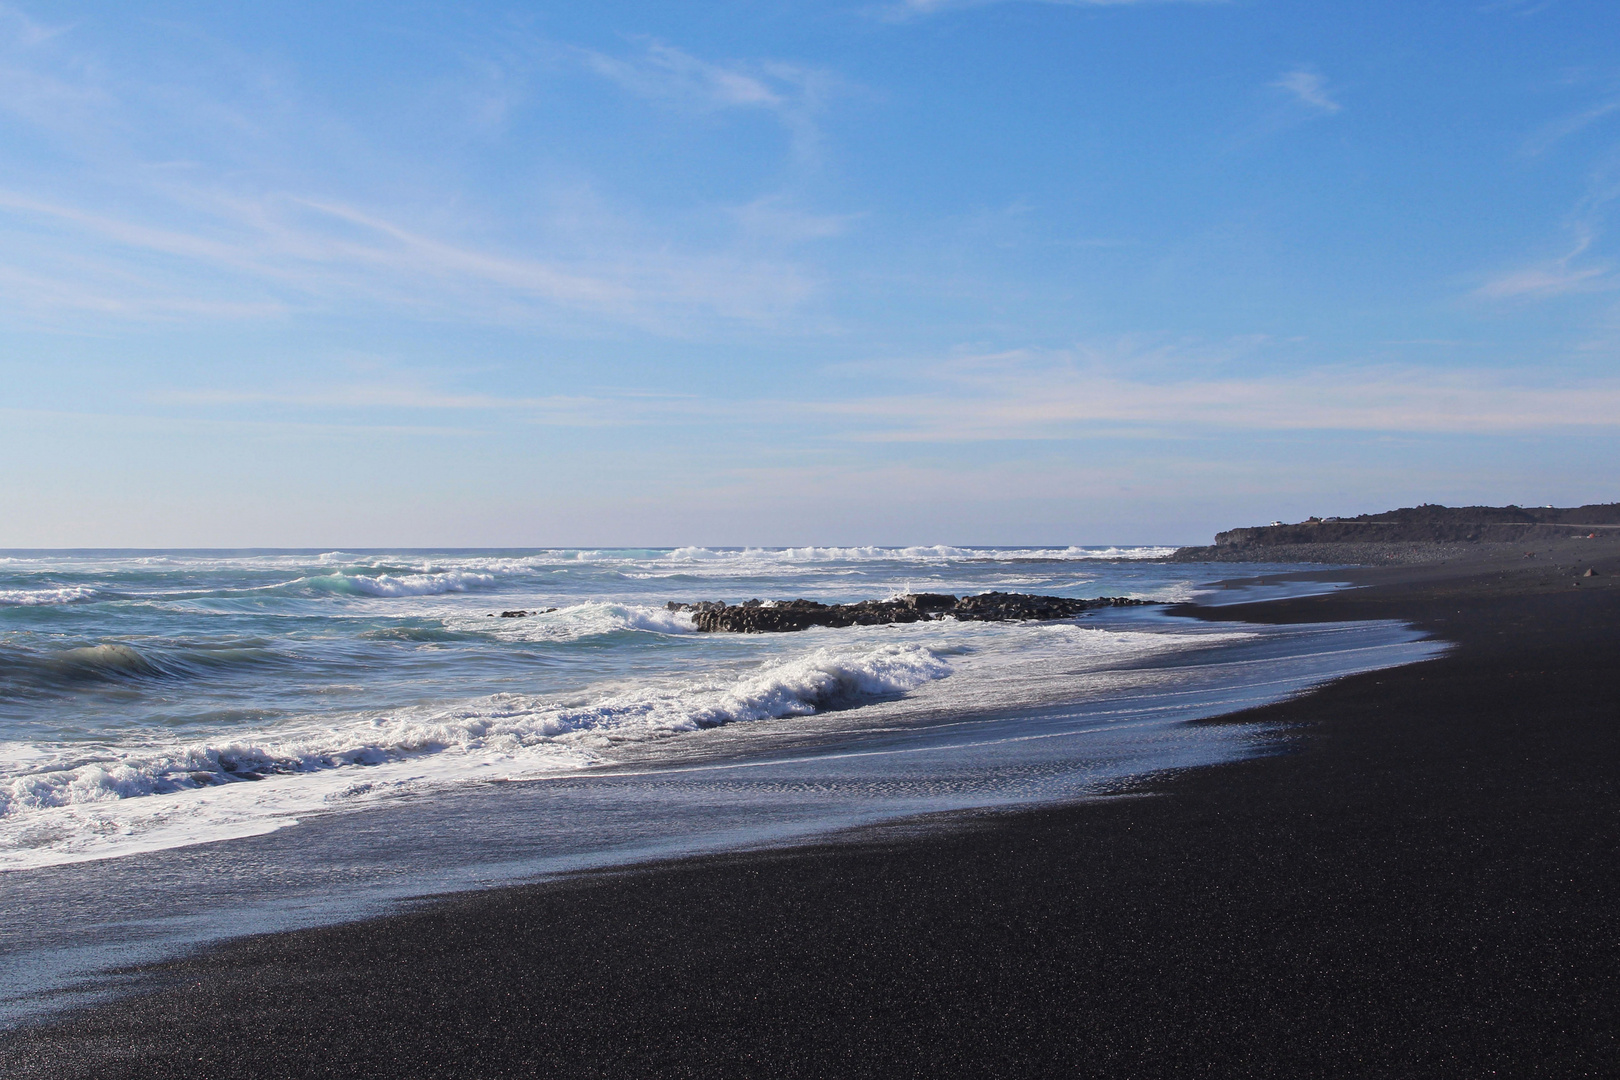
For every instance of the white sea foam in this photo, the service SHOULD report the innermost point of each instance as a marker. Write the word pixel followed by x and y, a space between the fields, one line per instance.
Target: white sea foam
pixel 327 678
pixel 71 803
pixel 45 795
pixel 65 594
pixel 454 581
pixel 14 756
pixel 579 621
pixel 393 575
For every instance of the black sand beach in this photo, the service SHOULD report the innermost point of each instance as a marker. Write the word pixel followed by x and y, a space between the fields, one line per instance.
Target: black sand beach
pixel 1426 883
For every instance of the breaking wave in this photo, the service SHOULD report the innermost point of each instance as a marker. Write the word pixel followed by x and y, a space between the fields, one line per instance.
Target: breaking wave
pixel 139 718
pixel 66 594
pixel 586 620
pixel 349 584
pixel 508 725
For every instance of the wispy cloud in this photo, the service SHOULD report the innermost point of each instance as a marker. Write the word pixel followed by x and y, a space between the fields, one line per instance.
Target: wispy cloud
pixel 231 227
pixel 1566 126
pixel 229 428
pixel 402 393
pixel 668 74
pixel 1581 269
pixel 1572 272
pixel 1030 395
pixel 1309 88
pixel 24 31
pixel 774 218
pixel 1556 278
pixel 1033 395
pixel 37 85
pixel 916 8
pixel 286 252
pixel 672 77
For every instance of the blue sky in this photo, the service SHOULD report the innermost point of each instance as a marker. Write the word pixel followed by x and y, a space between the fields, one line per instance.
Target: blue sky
pixel 777 273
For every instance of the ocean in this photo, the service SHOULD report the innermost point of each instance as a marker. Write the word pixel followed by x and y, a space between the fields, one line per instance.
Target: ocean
pixel 199 744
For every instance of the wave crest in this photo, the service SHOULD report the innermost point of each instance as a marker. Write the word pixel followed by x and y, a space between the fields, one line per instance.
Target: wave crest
pixel 28 671
pixel 505 724
pixel 587 620
pixel 66 594
pixel 385 585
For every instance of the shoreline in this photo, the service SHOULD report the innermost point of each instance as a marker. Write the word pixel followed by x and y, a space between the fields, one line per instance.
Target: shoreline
pixel 1426 881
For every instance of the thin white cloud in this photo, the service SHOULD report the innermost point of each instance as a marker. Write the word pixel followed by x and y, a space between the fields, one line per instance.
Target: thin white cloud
pixel 401 393
pixel 24 31
pixel 668 74
pixel 35 90
pixel 774 218
pixel 916 8
pixel 1309 88
pixel 1549 279
pixel 282 252
pixel 129 296
pixel 227 428
pixel 674 78
pixel 1566 126
pixel 1029 395
pixel 1555 277
pixel 238 231
pixel 1580 269
pixel 1023 395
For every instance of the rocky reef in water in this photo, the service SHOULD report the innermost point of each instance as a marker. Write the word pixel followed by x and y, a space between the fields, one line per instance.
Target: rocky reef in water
pixel 776 616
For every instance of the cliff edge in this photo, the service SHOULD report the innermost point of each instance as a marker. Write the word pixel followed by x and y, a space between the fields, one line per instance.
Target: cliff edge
pixel 1427 533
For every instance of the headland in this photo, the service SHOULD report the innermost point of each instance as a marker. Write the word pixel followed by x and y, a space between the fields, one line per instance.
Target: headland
pixel 1416 535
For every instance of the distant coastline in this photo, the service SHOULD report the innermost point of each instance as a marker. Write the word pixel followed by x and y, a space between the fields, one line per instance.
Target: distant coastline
pixel 1418 535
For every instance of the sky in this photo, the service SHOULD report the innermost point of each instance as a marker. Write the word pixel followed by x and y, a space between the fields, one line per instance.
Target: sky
pixel 747 272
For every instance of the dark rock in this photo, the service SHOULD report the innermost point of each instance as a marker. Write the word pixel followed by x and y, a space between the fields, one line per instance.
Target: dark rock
pixel 763 616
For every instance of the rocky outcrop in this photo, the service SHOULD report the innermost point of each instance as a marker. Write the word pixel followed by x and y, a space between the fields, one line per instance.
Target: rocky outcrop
pixel 776 616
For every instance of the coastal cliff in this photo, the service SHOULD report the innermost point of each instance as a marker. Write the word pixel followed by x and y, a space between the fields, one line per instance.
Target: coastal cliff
pixel 1427 533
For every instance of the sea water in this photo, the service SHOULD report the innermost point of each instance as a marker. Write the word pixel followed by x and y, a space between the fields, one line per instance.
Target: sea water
pixel 200 744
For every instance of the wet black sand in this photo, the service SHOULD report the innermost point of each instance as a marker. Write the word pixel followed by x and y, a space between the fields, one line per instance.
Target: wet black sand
pixel 1426 884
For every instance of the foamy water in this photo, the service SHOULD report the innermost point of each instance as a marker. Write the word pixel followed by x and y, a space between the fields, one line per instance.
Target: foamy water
pixel 154 699
pixel 270 739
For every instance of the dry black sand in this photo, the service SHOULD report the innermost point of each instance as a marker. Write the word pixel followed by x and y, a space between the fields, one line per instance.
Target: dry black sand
pixel 1426 884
